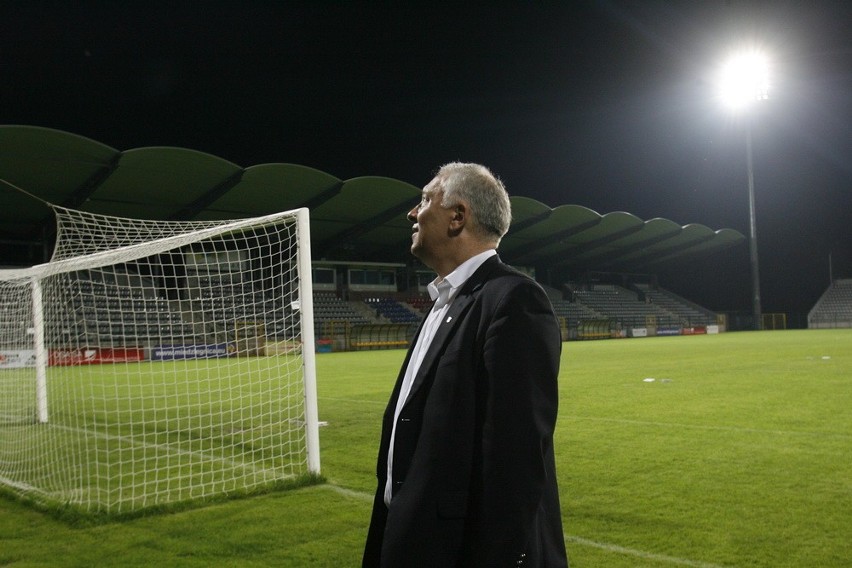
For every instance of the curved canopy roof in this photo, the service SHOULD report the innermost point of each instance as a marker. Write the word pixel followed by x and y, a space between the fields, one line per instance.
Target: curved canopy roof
pixel 359 219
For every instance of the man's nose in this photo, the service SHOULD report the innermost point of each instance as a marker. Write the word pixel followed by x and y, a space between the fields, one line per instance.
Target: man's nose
pixel 412 215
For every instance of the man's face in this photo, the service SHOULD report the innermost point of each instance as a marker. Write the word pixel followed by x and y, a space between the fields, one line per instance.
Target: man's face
pixel 430 235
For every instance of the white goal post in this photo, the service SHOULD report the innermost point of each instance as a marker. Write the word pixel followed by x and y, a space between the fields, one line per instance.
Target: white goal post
pixel 154 362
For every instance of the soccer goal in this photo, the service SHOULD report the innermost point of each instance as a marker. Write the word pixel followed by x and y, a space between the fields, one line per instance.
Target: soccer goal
pixel 155 362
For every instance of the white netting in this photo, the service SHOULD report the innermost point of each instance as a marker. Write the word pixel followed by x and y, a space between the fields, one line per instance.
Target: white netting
pixel 177 362
pixel 80 233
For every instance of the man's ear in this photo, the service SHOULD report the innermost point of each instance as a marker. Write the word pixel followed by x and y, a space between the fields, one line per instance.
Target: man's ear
pixel 461 212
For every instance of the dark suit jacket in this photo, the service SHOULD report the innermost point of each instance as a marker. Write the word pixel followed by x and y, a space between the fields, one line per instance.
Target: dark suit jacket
pixel 474 473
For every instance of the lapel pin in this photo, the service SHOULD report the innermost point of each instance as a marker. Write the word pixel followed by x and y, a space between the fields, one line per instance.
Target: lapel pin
pixel 449 319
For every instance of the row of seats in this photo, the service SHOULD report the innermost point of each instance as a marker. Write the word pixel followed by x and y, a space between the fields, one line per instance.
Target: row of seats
pixel 574 311
pixel 658 308
pixel 328 307
pixel 688 312
pixel 108 316
pixel 392 310
pixel 100 289
pixel 119 332
pixel 834 306
pixel 120 314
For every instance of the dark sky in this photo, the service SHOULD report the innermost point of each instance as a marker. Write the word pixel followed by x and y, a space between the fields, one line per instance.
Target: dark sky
pixel 605 104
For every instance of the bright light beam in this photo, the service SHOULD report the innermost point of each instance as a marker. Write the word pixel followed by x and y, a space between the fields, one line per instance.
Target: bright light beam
pixel 744 79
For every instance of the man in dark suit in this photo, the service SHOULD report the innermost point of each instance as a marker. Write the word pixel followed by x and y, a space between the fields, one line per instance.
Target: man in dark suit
pixel 466 472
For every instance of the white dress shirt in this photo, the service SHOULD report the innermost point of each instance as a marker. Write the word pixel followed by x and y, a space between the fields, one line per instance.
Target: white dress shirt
pixel 442 291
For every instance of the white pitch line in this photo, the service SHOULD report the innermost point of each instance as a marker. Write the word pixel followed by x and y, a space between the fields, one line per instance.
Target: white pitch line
pixel 169 449
pixel 26 487
pixel 639 553
pixel 357 400
pixel 361 496
pixel 706 427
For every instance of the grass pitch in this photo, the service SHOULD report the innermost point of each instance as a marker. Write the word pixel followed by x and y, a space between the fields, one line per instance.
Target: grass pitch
pixel 736 454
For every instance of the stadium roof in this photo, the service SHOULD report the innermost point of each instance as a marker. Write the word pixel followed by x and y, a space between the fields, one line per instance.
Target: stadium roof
pixel 360 219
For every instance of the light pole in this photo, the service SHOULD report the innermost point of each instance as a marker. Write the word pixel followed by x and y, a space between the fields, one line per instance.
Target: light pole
pixel 744 81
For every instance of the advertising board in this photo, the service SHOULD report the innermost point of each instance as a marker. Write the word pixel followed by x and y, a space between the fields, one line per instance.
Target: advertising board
pixel 17 358
pixel 174 352
pixel 94 356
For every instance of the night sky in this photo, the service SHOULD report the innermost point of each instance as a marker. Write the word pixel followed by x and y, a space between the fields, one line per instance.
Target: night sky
pixel 606 104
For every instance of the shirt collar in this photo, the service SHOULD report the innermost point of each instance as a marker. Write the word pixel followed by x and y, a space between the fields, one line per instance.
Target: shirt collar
pixel 443 291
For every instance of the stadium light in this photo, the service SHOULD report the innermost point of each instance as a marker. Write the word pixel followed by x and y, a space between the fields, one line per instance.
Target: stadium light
pixel 744 81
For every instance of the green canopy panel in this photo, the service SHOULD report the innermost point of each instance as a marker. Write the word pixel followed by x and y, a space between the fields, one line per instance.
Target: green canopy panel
pixel 363 218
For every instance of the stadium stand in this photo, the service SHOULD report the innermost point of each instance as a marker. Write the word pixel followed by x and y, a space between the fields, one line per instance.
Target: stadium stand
pixel 624 306
pixel 128 316
pixel 364 321
pixel 574 312
pixel 120 316
pixel 646 307
pixel 688 312
pixel 567 240
pixel 834 308
pixel 329 308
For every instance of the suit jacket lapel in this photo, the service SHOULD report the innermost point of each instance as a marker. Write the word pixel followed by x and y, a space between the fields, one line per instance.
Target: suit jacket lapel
pixel 398 385
pixel 454 315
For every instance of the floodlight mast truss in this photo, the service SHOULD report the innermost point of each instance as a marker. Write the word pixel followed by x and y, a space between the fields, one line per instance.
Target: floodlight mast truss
pixel 752 241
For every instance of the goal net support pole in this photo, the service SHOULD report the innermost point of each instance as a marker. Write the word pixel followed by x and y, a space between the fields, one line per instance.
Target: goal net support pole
pixel 40 352
pixel 306 306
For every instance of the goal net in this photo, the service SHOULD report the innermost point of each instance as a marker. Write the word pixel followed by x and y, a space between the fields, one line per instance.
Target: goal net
pixel 154 362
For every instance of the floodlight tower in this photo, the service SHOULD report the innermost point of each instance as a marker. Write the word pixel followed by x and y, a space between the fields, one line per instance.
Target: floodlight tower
pixel 744 82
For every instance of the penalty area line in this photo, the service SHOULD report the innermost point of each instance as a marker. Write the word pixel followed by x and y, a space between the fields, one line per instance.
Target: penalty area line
pixel 362 496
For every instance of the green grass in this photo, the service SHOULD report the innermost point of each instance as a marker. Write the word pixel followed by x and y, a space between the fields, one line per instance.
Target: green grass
pixel 123 438
pixel 739 453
